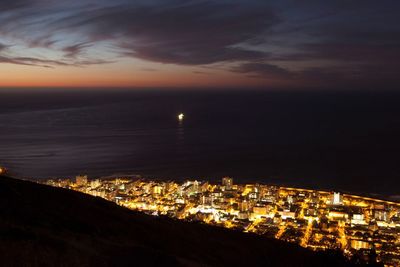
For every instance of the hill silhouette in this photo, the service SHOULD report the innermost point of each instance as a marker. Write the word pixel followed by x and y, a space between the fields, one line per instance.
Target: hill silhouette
pixel 45 226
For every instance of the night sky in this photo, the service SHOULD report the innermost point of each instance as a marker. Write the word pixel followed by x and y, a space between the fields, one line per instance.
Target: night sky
pixel 191 44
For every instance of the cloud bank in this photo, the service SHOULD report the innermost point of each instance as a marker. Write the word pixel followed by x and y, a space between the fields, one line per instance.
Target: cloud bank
pixel 355 43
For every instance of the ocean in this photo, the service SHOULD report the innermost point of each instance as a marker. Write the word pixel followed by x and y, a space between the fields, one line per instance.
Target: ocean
pixel 336 140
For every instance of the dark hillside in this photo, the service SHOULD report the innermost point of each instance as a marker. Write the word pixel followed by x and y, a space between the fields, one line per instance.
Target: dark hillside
pixel 46 226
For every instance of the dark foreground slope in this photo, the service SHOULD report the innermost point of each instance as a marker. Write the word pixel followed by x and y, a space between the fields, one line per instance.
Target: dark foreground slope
pixel 46 226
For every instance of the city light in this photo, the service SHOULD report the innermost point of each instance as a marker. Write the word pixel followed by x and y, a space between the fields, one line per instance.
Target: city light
pixel 313 219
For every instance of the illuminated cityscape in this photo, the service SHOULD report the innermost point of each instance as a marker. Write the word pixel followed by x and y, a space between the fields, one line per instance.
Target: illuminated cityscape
pixel 314 219
pixel 297 100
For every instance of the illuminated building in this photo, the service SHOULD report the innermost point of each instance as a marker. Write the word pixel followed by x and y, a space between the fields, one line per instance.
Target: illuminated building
pixel 260 210
pixel 287 213
pixel 380 214
pixel 290 199
pixel 243 215
pixel 338 214
pixel 81 180
pixel 244 205
pixel 358 219
pixel 157 189
pixel 359 244
pixel 227 182
pixel 337 199
pixel 313 219
pixel 95 183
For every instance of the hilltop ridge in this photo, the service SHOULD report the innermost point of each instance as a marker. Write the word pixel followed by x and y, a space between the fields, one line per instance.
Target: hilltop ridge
pixel 45 226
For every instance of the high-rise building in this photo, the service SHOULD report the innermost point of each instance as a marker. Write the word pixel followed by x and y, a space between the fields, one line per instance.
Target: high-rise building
pixel 81 180
pixel 380 215
pixel 336 199
pixel 227 182
pixel 95 183
pixel 157 189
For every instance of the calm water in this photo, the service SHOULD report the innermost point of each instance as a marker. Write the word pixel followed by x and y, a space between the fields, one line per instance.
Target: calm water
pixel 337 140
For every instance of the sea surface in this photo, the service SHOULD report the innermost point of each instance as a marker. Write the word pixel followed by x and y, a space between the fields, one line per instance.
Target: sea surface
pixel 344 140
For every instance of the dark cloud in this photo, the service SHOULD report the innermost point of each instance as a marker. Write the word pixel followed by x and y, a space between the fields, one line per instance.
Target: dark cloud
pixel 73 51
pixel 192 55
pixel 348 77
pixel 355 52
pixel 38 62
pixel 43 41
pixel 337 76
pixel 3 47
pixel 345 53
pixel 188 33
pixel 89 62
pixel 263 70
pixel 7 5
pixel 343 41
pixel 29 61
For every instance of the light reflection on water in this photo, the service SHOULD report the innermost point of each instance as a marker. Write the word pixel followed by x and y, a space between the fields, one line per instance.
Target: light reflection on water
pixel 344 141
